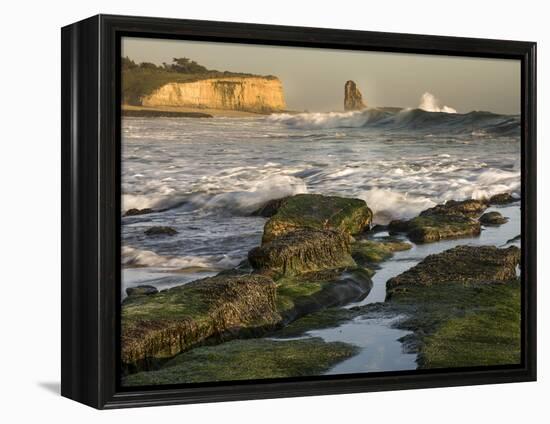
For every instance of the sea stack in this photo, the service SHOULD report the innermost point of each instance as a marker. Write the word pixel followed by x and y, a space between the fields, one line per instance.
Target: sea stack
pixel 353 99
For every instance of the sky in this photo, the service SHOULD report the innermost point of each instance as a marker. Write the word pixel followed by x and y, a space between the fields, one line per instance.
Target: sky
pixel 313 79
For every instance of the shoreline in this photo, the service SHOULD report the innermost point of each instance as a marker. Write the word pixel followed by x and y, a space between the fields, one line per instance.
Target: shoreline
pixel 188 112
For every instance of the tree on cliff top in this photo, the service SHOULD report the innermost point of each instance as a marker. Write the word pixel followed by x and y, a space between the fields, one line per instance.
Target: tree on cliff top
pixel 185 65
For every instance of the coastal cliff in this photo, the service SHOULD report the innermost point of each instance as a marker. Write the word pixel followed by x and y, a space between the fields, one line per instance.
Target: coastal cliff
pixel 252 94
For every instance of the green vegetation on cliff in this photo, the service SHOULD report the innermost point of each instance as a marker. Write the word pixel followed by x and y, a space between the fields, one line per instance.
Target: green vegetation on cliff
pixel 139 80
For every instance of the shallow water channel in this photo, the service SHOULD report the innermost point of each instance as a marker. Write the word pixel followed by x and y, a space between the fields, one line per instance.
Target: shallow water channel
pixel 374 334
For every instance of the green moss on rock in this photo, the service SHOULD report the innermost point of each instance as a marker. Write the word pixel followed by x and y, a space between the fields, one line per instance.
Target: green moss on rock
pixel 452 219
pixel 502 199
pixel 462 265
pixel 493 218
pixel 469 207
pixel 314 211
pixel 308 293
pixel 367 252
pixel 302 251
pixel 164 324
pixel 247 360
pixel 488 334
pixel 427 229
pixel 463 306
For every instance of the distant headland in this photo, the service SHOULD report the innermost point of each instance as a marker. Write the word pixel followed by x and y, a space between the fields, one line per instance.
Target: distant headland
pixel 184 87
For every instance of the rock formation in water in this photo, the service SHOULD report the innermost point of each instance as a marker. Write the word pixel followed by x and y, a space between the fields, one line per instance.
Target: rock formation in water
pixel 353 99
pixel 251 94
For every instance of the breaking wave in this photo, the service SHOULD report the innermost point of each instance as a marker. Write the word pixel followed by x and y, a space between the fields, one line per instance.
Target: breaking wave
pixel 422 120
pixel 249 193
pixel 133 257
pixel 430 103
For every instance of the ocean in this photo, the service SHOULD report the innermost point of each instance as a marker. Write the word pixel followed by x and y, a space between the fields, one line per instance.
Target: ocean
pixel 204 177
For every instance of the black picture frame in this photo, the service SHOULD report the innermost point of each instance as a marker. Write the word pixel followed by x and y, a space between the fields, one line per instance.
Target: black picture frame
pixel 91 207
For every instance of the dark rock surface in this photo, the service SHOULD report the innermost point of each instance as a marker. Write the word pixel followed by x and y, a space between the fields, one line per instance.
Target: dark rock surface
pixel 141 290
pixel 160 231
pixel 501 199
pixel 493 218
pixel 134 211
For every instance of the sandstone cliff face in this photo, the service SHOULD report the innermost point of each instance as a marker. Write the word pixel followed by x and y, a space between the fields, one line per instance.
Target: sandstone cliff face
pixel 252 94
pixel 353 99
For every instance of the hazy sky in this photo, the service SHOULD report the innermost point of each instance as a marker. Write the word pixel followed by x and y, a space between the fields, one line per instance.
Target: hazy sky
pixel 313 79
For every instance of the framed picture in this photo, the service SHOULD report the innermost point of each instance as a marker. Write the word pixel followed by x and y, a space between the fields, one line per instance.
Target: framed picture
pixel 255 211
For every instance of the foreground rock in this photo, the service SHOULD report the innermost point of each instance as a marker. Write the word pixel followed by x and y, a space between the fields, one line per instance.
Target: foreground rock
pixel 164 324
pixel 302 251
pixel 502 199
pixel 493 218
pixel 450 220
pixel 371 252
pixel 135 211
pixel 314 211
pixel 143 290
pixel 307 293
pixel 160 231
pixel 461 264
pixel 463 307
pixel 247 360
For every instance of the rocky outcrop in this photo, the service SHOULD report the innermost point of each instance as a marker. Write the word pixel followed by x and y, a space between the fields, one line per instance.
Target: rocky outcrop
pixel 370 252
pixel 252 94
pixel 314 211
pixel 143 290
pixel 469 207
pixel 462 307
pixel 164 324
pixel 452 219
pixel 502 199
pixel 353 100
pixel 135 211
pixel 302 251
pixel 460 265
pixel 160 231
pixel 493 218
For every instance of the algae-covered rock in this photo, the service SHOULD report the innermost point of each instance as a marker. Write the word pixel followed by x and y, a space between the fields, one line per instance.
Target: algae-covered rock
pixel 169 322
pixel 462 265
pixel 302 251
pixel 368 252
pixel 493 218
pixel 250 359
pixel 463 307
pixel 311 292
pixel 314 211
pixel 502 199
pixel 431 228
pixel 270 208
pixel 143 290
pixel 453 219
pixel 469 207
